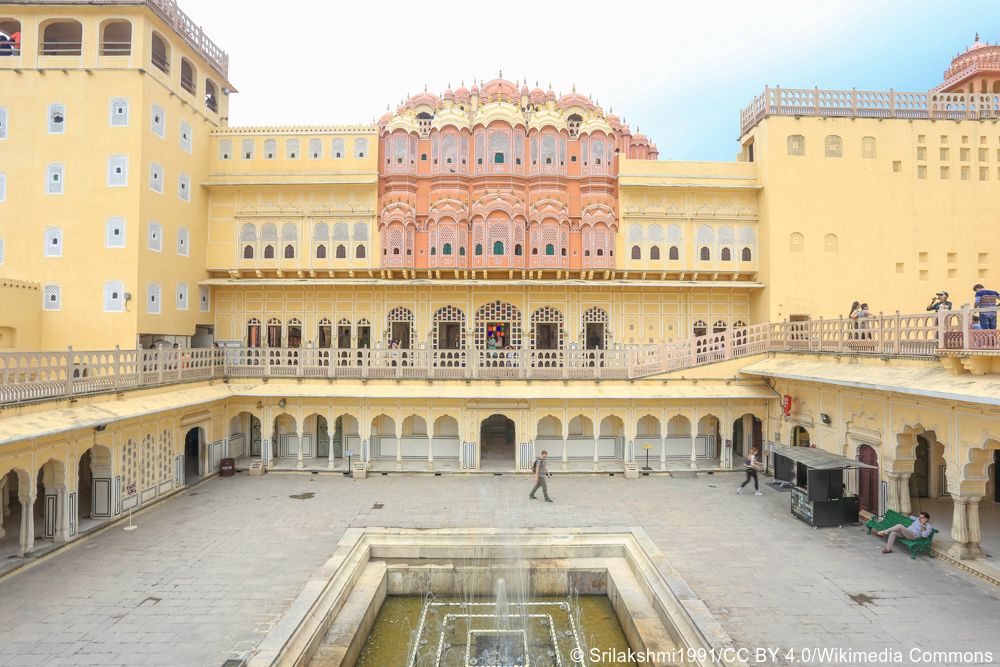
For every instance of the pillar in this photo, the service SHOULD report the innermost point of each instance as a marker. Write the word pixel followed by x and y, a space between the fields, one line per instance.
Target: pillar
pixel 663 449
pixel 5 492
pixel 62 511
pixel 299 431
pixel 965 530
pixel 27 543
pixel 892 501
pixel 331 424
pixel 399 441
pixel 565 456
pixel 430 447
pixel 596 441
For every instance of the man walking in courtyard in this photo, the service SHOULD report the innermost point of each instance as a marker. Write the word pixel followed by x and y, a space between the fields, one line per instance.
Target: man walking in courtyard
pixel 541 472
pixel 986 298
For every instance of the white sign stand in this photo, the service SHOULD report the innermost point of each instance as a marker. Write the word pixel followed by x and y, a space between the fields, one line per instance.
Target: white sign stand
pixel 131 492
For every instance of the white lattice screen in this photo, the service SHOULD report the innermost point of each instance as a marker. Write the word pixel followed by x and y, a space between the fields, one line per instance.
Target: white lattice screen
pixel 654 233
pixel 206 296
pixel 53 242
pixel 117 171
pixel 182 296
pixel 225 149
pixel 158 121
pixel 635 232
pixel 114 233
pixel 270 149
pixel 154 236
pixel 321 232
pixel 360 231
pixel 337 150
pixel 360 147
pixel 548 149
pixel 183 241
pixel 315 149
pixel 3 122
pixel 153 298
pixel 2 247
pixel 834 146
pixel 185 140
pixel 247 149
pixel 54 177
pixel 57 119
pixel 156 177
pixel 292 150
pixel 52 297
pixel 249 233
pixel 114 299
pixel 184 187
pixel 3 186
pixel 340 231
pixel 118 112
pixel 269 232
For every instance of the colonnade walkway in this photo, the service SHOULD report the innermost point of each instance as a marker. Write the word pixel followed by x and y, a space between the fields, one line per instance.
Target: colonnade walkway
pixel 210 570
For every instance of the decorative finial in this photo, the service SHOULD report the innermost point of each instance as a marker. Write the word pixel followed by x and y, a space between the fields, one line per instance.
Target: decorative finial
pixel 574 87
pixel 425 87
pixel 463 82
pixel 977 36
pixel 536 83
pixel 449 85
pixel 501 74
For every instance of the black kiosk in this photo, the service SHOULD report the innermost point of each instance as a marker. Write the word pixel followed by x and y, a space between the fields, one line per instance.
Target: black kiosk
pixel 819 495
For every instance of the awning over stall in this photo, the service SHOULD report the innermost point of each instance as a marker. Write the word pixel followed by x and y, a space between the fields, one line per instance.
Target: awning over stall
pixel 820 459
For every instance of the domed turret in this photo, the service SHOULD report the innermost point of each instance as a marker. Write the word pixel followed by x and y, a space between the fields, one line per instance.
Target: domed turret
pixel 980 56
pixel 462 94
pixel 551 95
pixel 536 96
pixel 500 87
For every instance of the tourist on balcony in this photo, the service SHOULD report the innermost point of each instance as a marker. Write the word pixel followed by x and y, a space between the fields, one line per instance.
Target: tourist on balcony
pixel 10 45
pixel 491 343
pixel 987 298
pixel 940 302
pixel 975 323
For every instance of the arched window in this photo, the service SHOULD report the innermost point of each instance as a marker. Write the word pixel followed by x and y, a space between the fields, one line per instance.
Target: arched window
pixel 562 251
pixel 636 252
pixel 359 253
pixel 498 247
pixel 726 255
pixel 796 242
pixel 706 254
pixel 534 251
pixel 446 249
pixel 341 251
pixel 337 150
pixel 114 301
pixel 586 253
pixel 360 147
pixel 395 251
pixel 498 158
pixel 600 252
pixel 833 146
pixel 289 251
pixel 248 252
pixel 321 251
pixel 292 149
pixel 479 249
pixel 654 252
pixel 796 144
pixel 747 255
pixel 269 252
pixel 550 249
pixel 114 233
pixel 461 251
pixel 674 253
pixel 433 251
pixel 868 147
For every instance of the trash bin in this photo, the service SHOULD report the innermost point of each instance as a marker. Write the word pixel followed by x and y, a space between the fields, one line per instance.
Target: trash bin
pixel 228 468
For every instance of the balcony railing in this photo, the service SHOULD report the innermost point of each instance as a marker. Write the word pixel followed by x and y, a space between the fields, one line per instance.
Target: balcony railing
pixel 52 48
pixel 109 48
pixel 174 17
pixel 160 63
pixel 188 85
pixel 26 376
pixel 868 104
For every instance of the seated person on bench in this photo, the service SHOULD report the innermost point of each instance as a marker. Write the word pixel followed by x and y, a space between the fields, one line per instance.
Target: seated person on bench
pixel 921 527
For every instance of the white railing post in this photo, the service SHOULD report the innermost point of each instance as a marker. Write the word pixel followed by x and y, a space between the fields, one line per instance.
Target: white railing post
pixel 139 368
pixel 727 344
pixel 820 337
pixel 114 357
pixel 840 334
pixel 159 363
pixel 897 334
pixel 69 370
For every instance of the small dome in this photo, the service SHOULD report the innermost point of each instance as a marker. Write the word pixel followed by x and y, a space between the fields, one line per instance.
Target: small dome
pixel 448 95
pixel 524 89
pixel 537 95
pixel 423 98
pixel 385 119
pixel 462 94
pixel 550 96
pixel 475 88
pixel 613 121
pixel 625 129
pixel 500 87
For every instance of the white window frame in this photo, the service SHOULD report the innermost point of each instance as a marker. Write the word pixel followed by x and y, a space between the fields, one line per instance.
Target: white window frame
pixel 108 226
pixel 205 300
pixel 110 158
pixel 185 144
pixel 53 249
pixel 2 248
pixel 153 167
pixel 162 133
pixel 111 111
pixel 184 187
pixel 182 295
pixel 149 235
pixel 48 117
pixel 121 298
pixel 3 186
pixel 3 123
pixel 150 288
pixel 183 242
pixel 57 290
pixel 62 176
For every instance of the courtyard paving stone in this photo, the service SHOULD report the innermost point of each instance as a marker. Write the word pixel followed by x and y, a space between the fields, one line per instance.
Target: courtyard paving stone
pixel 211 570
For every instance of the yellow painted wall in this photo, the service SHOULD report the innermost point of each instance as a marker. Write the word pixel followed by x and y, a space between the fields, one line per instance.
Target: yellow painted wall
pixel 869 232
pixel 20 315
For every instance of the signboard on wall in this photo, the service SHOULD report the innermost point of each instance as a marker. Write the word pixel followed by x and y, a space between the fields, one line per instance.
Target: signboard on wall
pixel 786 404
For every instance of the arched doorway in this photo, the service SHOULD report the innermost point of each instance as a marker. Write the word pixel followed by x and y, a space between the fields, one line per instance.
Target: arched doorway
pixel 800 437
pixel 194 442
pixel 920 479
pixel 868 479
pixel 497 438
pixel 94 481
pixel 748 434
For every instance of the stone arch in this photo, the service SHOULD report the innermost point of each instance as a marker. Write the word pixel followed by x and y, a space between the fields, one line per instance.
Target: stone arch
pixel 547 320
pixel 441 333
pixel 384 437
pixel 496 313
pixel 679 425
pixel 51 477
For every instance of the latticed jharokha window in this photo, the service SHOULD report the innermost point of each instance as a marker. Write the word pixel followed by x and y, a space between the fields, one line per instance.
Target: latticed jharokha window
pixel 796 145
pixel 833 146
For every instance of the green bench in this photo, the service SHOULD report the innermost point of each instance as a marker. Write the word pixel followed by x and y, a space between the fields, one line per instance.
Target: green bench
pixel 892 518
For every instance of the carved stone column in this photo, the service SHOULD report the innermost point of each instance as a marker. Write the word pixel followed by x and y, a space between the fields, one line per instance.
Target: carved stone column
pixel 663 450
pixel 596 441
pixel 27 543
pixel 965 531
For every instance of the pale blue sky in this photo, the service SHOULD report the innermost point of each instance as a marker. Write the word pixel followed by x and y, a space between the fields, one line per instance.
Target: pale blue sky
pixel 680 72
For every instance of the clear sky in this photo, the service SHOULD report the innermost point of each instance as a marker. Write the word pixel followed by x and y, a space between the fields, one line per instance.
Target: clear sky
pixel 678 71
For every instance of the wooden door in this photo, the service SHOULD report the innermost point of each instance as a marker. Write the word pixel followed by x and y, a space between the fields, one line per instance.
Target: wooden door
pixel 868 480
pixel 921 470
